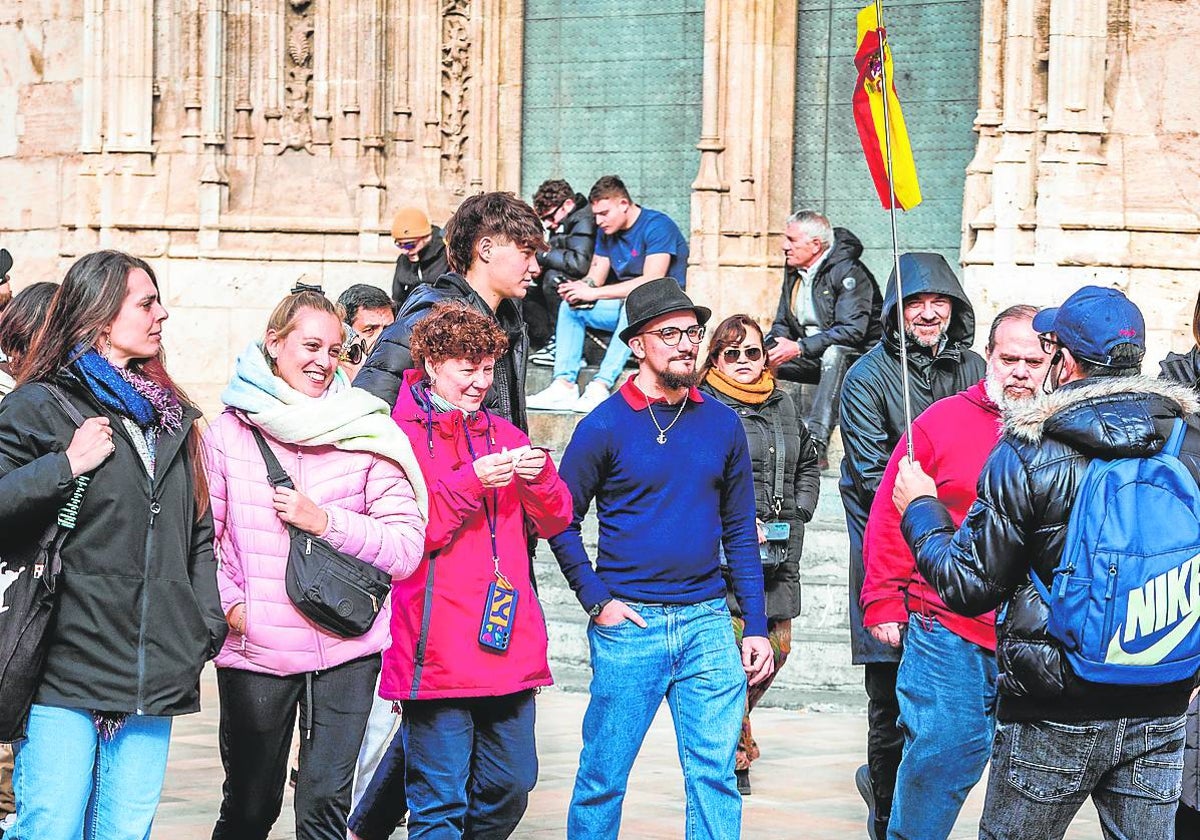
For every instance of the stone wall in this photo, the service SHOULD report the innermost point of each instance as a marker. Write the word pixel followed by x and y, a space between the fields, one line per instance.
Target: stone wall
pixel 1088 165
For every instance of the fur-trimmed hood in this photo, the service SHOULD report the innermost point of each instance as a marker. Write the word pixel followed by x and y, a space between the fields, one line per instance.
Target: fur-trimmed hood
pixel 1110 417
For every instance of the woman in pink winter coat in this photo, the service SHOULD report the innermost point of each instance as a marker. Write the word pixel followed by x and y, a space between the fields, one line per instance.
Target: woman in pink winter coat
pixel 358 488
pixel 469 637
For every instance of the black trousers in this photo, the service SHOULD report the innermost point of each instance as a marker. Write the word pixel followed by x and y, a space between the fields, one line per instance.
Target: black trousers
pixel 827 374
pixel 885 741
pixel 258 717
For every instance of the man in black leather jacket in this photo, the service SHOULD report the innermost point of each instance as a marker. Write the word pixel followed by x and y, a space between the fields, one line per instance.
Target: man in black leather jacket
pixel 938 323
pixel 828 315
pixel 572 231
pixel 1061 738
pixel 492 242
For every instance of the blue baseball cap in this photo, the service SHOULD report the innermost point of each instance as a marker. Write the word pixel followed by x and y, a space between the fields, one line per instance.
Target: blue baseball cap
pixel 1093 321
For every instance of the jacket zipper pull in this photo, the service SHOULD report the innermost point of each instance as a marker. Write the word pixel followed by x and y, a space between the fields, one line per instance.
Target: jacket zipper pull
pixel 1111 589
pixel 155 507
pixel 1060 585
pixel 308 545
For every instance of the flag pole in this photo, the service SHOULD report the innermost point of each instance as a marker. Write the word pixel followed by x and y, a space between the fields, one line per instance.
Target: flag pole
pixel 887 150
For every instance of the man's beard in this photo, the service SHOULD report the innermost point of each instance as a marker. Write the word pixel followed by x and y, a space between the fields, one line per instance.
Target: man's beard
pixel 995 392
pixel 672 381
pixel 928 343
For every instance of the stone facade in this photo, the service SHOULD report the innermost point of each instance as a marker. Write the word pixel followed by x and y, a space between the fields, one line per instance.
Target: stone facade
pixel 239 144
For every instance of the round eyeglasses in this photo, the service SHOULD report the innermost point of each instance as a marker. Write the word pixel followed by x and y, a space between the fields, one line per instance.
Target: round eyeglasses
pixel 671 336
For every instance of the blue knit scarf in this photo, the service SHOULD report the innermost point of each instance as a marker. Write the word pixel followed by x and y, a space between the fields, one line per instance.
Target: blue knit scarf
pixel 144 402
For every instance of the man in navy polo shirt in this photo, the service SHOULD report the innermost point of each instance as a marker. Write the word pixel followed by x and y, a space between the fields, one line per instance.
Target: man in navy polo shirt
pixel 670 473
pixel 634 245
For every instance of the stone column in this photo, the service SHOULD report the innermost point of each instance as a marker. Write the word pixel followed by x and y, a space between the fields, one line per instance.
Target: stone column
pixel 128 29
pixel 214 183
pixel 373 69
pixel 497 132
pixel 747 132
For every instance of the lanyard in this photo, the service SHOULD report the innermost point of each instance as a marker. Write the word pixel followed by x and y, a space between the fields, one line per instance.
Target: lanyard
pixel 780 462
pixel 491 513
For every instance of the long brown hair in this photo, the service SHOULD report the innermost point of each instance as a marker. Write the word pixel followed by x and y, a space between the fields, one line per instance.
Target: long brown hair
pixel 88 300
pixel 733 330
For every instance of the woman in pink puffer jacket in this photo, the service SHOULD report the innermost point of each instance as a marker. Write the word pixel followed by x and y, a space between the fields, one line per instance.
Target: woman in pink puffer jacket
pixel 348 463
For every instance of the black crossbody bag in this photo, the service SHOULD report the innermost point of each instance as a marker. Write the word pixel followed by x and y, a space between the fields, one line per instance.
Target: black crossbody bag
pixel 334 590
pixel 28 599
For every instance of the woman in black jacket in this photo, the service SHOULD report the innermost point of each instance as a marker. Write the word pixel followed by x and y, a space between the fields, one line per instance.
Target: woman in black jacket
pixel 786 484
pixel 138 612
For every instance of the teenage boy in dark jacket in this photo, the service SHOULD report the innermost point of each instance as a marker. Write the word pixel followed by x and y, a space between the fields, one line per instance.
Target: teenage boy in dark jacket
pixel 938 323
pixel 572 228
pixel 493 239
pixel 1060 737
pixel 422 252
pixel 828 314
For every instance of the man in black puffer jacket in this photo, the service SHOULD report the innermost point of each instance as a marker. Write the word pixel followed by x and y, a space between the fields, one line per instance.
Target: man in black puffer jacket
pixel 492 242
pixel 1061 738
pixel 572 227
pixel 938 323
pixel 828 314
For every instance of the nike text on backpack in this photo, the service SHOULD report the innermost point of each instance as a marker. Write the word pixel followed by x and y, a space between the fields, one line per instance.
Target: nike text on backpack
pixel 1125 597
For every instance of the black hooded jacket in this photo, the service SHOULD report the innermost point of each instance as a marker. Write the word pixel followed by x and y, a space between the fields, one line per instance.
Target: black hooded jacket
pixel 380 374
pixel 846 301
pixel 138 610
pixel 430 265
pixel 872 410
pixel 571 245
pixel 1018 527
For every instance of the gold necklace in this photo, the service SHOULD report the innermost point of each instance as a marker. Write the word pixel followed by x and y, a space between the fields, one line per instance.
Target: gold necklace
pixel 662 432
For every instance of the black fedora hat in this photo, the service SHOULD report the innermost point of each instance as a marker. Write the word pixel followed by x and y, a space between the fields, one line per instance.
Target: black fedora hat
pixel 658 297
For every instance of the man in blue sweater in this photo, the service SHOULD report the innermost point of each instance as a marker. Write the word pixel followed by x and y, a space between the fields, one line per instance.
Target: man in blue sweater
pixel 670 473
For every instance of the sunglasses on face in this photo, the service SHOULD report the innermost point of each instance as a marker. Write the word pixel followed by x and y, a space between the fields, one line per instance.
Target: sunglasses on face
pixel 671 336
pixel 353 353
pixel 548 217
pixel 408 244
pixel 734 354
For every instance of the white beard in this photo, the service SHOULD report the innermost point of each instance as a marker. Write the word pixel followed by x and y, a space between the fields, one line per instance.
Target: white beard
pixel 995 392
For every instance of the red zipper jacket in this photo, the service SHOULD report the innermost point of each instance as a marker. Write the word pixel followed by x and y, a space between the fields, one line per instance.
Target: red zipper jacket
pixel 951 439
pixel 438 611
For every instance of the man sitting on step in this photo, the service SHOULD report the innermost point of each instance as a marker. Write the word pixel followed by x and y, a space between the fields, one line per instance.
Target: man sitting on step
pixel 633 246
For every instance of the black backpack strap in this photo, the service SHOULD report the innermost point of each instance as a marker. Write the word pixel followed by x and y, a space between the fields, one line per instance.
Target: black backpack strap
pixel 275 472
pixel 61 398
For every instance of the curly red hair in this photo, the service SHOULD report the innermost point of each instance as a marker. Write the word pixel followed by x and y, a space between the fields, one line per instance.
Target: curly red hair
pixel 453 330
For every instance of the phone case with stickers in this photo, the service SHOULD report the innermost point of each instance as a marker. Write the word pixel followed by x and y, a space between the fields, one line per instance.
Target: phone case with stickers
pixel 500 610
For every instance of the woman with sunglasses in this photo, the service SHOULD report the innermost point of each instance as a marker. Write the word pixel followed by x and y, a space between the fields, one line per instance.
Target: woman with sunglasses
pixel 357 486
pixel 786 484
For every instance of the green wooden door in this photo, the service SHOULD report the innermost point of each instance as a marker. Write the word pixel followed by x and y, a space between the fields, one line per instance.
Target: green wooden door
pixel 935 49
pixel 613 87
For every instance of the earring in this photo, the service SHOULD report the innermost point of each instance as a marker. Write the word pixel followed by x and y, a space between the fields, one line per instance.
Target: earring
pixel 107 351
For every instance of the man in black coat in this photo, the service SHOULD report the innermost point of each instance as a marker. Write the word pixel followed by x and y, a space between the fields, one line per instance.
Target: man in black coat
pixel 493 239
pixel 572 227
pixel 938 323
pixel 828 314
pixel 1062 738
pixel 422 252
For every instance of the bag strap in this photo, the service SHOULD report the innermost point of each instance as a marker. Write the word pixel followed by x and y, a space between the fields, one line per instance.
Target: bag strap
pixel 780 463
pixel 276 474
pixel 1175 441
pixel 71 411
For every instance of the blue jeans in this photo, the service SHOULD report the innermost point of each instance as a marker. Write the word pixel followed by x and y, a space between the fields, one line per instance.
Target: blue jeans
pixel 70 783
pixel 487 743
pixel 946 687
pixel 571 331
pixel 686 653
pixel 1042 772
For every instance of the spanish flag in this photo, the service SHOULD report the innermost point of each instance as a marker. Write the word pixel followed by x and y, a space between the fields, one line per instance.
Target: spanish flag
pixel 868 116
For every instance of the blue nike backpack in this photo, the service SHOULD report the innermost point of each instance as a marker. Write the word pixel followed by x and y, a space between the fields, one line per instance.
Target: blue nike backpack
pixel 1125 597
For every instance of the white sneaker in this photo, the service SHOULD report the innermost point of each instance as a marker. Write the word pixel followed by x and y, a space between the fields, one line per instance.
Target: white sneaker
pixel 595 393
pixel 559 395
pixel 543 357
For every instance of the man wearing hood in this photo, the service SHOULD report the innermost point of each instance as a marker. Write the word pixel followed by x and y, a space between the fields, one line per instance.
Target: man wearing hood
pixel 1062 738
pixel 493 239
pixel 937 322
pixel 828 315
pixel 422 252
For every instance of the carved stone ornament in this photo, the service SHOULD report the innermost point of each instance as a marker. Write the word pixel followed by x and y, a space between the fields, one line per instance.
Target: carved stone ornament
pixel 456 80
pixel 296 130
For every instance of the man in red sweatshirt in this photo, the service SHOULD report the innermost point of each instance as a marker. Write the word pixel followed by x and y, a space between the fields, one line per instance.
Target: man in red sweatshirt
pixel 946 685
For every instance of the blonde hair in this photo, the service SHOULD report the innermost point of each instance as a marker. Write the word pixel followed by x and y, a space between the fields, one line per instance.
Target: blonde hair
pixel 283 317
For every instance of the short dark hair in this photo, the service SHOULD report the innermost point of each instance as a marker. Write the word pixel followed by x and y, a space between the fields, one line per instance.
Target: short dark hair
pixel 453 330
pixel 499 214
pixel 1019 312
pixel 23 317
pixel 363 296
pixel 732 331
pixel 608 186
pixel 551 195
pixel 1126 361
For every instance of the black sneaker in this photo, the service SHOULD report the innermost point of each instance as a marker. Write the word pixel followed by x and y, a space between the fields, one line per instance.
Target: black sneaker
pixel 862 781
pixel 743 781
